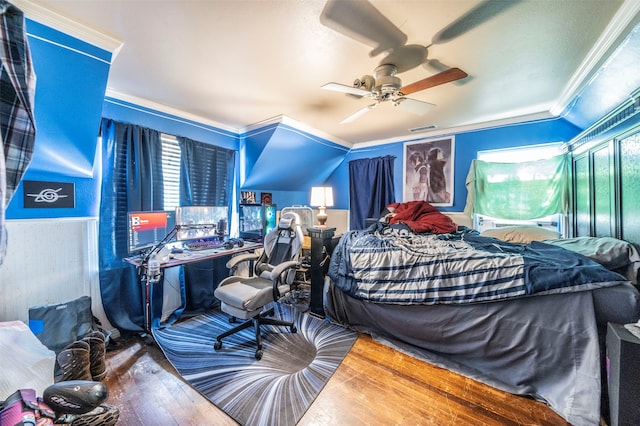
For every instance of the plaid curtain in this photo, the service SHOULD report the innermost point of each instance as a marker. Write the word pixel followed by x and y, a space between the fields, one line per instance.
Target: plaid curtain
pixel 17 122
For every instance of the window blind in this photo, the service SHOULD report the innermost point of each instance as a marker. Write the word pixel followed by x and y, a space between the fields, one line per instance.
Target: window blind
pixel 171 171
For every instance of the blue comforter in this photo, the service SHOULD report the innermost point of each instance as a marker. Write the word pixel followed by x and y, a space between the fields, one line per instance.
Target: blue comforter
pixel 388 265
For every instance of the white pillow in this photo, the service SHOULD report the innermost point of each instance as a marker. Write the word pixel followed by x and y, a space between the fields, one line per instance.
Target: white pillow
pixel 614 254
pixel 523 234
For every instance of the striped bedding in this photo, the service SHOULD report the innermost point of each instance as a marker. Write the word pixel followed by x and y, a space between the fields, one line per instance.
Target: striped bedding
pixel 396 266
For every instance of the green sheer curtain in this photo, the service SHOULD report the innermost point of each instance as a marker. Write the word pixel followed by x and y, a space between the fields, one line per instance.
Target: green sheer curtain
pixel 519 191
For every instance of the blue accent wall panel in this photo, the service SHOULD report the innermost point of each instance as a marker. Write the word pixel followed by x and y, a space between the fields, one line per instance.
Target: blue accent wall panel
pixel 252 144
pixel 293 159
pixel 71 82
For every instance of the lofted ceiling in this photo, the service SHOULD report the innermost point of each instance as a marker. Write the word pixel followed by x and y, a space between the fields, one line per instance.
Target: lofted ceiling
pixel 236 63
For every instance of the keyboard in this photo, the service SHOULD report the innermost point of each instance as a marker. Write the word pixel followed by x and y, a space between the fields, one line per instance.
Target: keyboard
pixel 203 244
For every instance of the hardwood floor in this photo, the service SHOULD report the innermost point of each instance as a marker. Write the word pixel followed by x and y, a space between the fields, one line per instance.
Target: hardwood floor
pixel 374 385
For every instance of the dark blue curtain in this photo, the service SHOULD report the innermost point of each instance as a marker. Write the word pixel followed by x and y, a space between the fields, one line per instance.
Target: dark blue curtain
pixel 370 188
pixel 131 181
pixel 206 174
pixel 206 179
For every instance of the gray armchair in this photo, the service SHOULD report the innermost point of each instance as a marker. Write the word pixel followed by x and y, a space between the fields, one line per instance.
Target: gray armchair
pixel 272 275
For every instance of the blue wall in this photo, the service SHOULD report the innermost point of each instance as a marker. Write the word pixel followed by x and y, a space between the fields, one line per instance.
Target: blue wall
pixel 467 144
pixel 286 162
pixel 279 158
pixel 71 81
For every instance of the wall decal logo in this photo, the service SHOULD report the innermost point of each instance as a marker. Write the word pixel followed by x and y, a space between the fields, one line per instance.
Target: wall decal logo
pixel 47 195
pixel 40 194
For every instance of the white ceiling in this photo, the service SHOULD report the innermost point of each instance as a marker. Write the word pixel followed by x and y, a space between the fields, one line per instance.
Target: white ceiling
pixel 242 62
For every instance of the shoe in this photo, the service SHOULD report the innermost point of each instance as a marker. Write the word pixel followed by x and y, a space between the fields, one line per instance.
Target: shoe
pixel 102 415
pixel 97 355
pixel 74 362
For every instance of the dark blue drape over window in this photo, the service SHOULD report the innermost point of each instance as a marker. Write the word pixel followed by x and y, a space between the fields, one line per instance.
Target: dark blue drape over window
pixel 131 181
pixel 370 188
pixel 206 179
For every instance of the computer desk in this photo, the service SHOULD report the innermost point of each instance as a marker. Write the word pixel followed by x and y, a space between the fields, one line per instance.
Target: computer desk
pixel 179 259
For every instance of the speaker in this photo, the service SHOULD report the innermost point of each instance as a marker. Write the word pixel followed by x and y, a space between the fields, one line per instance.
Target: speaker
pixel 623 370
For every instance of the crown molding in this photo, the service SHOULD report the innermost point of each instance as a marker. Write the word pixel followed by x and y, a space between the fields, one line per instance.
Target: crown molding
pixel 446 131
pixel 283 119
pixel 165 109
pixel 626 15
pixel 75 29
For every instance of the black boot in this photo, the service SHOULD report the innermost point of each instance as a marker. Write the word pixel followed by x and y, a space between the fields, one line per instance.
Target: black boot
pixel 74 362
pixel 97 354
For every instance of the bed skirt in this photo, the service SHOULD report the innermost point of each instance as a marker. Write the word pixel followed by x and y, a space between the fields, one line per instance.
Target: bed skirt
pixel 546 347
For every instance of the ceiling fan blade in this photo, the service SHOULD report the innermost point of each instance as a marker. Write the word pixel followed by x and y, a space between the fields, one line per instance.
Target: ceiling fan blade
pixel 358 114
pixel 361 21
pixel 413 106
pixel 452 74
pixel 343 88
pixel 475 17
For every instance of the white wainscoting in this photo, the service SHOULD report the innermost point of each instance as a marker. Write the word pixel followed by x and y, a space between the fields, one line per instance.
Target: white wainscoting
pixel 49 261
pixel 338 219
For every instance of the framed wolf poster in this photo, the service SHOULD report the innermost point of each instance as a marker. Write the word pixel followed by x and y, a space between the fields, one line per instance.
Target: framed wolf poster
pixel 428 171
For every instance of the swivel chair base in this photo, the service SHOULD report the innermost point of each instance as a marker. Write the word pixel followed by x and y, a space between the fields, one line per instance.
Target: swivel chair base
pixel 257 321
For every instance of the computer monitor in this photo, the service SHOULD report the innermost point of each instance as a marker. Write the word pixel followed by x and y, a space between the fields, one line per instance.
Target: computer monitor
pixel 197 222
pixel 146 229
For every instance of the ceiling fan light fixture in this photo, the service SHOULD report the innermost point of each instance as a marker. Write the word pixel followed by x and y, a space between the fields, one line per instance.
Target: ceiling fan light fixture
pixel 385 86
pixel 388 84
pixel 366 82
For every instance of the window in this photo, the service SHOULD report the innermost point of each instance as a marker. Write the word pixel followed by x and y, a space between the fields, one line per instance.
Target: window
pixel 171 171
pixel 142 167
pixel 519 155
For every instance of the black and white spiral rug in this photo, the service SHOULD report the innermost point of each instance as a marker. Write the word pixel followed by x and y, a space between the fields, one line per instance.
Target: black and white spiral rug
pixel 278 389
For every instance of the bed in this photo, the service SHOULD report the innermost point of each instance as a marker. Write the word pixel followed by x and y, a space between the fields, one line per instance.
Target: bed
pixel 527 318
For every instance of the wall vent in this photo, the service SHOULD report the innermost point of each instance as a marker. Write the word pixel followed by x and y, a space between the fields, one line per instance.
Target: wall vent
pixel 423 128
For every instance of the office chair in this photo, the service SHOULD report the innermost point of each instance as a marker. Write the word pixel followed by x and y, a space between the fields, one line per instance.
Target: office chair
pixel 273 272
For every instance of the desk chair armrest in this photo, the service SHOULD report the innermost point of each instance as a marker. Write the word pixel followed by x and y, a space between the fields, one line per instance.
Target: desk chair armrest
pixel 278 272
pixel 282 267
pixel 245 257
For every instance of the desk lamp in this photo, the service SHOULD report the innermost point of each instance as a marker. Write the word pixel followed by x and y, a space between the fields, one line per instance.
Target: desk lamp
pixel 322 197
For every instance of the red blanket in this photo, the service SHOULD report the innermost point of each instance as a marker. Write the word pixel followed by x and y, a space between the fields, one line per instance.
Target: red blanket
pixel 421 217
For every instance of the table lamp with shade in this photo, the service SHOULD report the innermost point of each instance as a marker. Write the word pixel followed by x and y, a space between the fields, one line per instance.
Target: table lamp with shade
pixel 322 197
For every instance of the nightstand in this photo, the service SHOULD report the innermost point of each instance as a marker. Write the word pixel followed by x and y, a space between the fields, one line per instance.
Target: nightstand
pixel 320 253
pixel 623 368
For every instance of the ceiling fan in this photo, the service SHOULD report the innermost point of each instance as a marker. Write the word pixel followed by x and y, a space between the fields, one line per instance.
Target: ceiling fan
pixel 361 21
pixel 385 86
